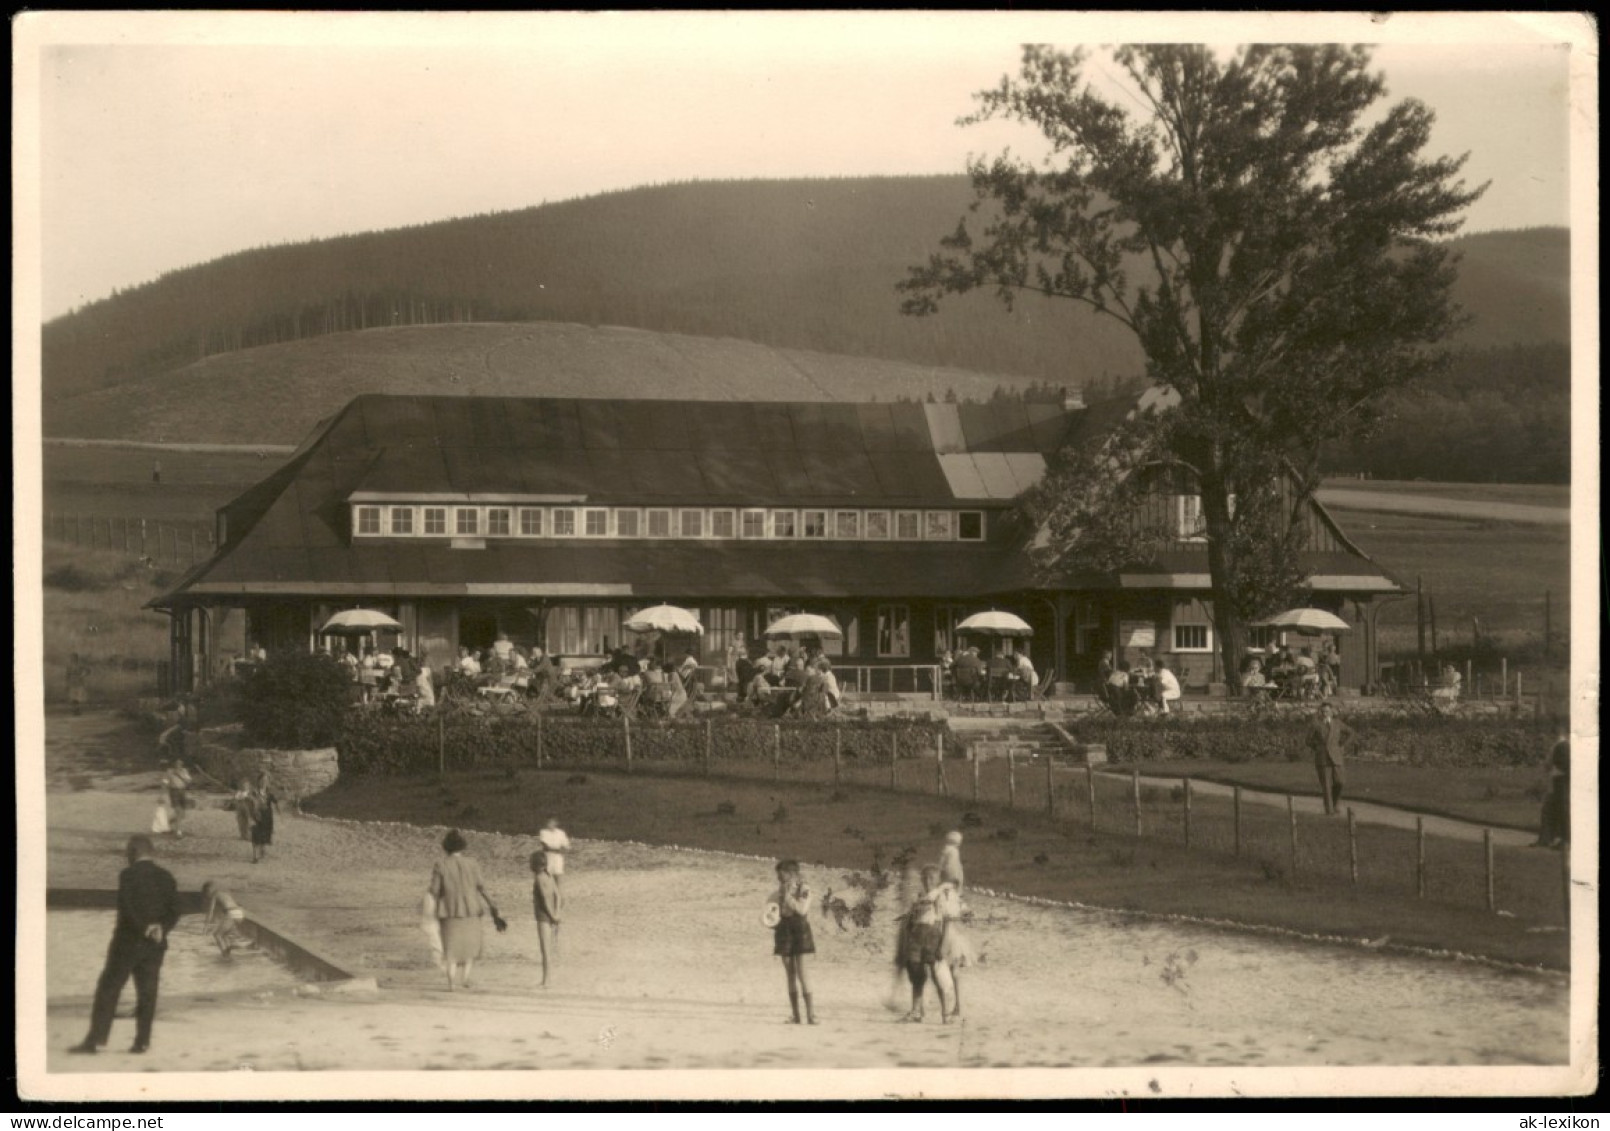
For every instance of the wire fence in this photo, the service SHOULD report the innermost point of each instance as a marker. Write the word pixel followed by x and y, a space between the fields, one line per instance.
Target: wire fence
pixel 159 540
pixel 1288 843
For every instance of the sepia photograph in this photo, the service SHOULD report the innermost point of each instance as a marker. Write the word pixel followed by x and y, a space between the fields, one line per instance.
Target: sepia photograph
pixel 817 556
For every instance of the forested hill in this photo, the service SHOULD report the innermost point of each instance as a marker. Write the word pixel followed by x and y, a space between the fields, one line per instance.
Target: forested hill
pixel 804 264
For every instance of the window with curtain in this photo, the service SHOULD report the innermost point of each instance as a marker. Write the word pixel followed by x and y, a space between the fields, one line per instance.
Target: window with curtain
pixel 894 631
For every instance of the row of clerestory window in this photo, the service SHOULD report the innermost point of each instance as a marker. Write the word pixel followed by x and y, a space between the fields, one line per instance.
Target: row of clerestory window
pixel 753 523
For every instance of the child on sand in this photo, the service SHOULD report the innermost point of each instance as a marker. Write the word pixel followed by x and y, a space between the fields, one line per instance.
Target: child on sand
pixel 922 941
pixel 224 917
pixel 431 926
pixel 546 904
pixel 791 937
pixel 555 844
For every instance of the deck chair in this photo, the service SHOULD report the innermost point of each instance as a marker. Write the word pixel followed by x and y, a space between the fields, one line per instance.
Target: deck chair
pixel 628 703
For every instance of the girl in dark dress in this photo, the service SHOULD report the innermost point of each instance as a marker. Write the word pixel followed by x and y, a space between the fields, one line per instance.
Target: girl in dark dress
pixel 263 804
pixel 791 937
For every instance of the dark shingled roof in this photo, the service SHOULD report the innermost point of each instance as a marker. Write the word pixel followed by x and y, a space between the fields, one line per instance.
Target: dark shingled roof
pixel 290 533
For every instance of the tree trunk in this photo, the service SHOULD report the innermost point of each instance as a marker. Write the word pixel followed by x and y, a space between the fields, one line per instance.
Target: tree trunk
pixel 1230 632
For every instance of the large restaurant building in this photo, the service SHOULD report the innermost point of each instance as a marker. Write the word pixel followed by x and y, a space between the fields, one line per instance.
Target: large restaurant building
pixel 552 520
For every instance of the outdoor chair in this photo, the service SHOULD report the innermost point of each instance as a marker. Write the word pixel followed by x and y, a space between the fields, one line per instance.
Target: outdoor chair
pixel 965 684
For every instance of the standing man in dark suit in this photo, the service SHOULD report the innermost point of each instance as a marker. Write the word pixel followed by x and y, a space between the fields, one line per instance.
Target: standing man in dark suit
pixel 147 909
pixel 1329 738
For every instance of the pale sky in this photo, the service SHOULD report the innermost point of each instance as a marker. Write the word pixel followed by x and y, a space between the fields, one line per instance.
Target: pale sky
pixel 166 140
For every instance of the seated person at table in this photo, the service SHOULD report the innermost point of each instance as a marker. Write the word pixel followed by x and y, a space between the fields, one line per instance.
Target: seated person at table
pixel 968 672
pixel 1119 694
pixel 1143 664
pixel 1307 672
pixel 631 679
pixel 758 691
pixel 1028 679
pixel 687 669
pixel 830 683
pixel 467 663
pixel 744 670
pixel 1253 679
pixel 1168 688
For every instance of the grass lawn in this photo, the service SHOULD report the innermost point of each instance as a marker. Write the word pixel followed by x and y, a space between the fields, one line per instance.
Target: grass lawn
pixel 1023 851
pixel 1499 796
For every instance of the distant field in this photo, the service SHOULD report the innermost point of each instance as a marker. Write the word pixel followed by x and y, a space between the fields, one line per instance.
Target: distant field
pixel 1529 494
pixel 107 482
pixel 1496 571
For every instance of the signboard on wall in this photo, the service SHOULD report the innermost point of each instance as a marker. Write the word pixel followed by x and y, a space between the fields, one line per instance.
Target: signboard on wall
pixel 1137 634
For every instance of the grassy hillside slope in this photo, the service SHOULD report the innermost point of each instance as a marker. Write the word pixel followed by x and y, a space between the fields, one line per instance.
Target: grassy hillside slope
pixel 274 394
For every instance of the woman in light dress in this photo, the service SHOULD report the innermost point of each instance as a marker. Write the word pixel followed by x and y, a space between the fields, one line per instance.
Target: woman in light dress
pixel 955 948
pixel 460 893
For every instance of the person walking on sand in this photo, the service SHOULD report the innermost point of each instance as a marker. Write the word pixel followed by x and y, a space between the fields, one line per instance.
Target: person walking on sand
pixel 1329 738
pixel 547 904
pixel 792 940
pixel 147 910
pixel 459 891
pixel 177 782
pixel 555 844
pixel 923 950
pixel 262 804
pixel 224 917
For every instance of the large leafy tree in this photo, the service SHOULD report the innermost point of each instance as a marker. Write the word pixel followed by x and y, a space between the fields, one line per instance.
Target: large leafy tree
pixel 1265 231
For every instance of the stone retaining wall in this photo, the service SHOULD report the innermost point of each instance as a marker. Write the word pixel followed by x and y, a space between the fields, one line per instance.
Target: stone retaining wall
pixel 294 774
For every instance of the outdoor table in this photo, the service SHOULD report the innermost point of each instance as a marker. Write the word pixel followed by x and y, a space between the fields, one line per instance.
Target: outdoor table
pixel 495 691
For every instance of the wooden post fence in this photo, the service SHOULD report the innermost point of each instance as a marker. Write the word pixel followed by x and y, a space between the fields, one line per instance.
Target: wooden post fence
pixel 777 752
pixel 1134 782
pixel 1291 815
pixel 1487 849
pixel 1187 812
pixel 973 754
pixel 1352 846
pixel 1236 807
pixel 1090 793
pixel 626 727
pixel 709 744
pixel 894 759
pixel 1420 857
pixel 838 756
pixel 1050 788
pixel 939 764
pixel 1011 778
pixel 539 740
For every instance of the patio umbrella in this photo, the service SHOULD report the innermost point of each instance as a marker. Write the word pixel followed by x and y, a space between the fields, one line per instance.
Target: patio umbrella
pixel 359 622
pixel 665 618
pixel 804 624
pixel 1309 622
pixel 995 623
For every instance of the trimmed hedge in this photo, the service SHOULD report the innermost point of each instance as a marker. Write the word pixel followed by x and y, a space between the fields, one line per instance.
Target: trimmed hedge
pixel 370 742
pixel 1424 740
